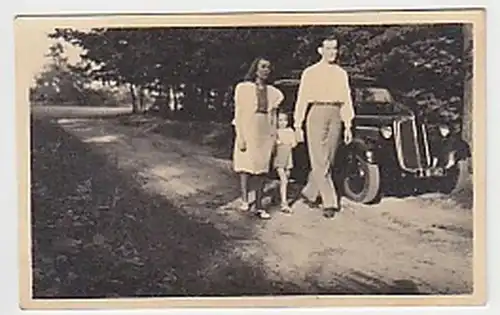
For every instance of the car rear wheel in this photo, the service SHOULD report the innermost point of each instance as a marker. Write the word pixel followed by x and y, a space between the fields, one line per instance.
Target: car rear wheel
pixel 361 182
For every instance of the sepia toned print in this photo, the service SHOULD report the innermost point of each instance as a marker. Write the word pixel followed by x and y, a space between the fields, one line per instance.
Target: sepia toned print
pixel 263 159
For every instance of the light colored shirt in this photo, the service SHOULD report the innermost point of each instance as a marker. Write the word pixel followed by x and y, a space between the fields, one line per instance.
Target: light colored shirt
pixel 323 82
pixel 246 105
pixel 286 136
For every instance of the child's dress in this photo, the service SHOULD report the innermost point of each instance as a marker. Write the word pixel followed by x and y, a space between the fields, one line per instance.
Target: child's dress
pixel 285 143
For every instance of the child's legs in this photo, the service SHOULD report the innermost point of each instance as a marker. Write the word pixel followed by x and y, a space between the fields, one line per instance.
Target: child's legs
pixel 283 175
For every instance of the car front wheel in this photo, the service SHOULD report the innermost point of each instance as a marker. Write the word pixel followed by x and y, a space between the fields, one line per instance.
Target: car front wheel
pixel 361 182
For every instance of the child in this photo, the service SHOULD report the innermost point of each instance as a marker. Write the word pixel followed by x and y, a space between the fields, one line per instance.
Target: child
pixel 283 161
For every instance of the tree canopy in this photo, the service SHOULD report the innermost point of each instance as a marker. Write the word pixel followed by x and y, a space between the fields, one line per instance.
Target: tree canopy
pixel 204 62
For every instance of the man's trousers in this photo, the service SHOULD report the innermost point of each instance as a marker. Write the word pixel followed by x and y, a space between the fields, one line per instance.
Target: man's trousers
pixel 323 128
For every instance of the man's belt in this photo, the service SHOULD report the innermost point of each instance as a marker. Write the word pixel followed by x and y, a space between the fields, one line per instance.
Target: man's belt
pixel 327 103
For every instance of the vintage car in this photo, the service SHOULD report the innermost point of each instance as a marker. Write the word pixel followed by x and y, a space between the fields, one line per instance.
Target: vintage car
pixel 392 145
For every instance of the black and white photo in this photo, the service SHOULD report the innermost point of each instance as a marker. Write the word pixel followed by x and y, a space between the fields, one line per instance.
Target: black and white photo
pixel 339 156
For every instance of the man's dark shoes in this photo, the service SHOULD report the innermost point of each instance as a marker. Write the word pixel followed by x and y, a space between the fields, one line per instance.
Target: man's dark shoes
pixel 309 203
pixel 329 213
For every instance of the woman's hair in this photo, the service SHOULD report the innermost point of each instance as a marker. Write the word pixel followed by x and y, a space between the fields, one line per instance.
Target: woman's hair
pixel 251 73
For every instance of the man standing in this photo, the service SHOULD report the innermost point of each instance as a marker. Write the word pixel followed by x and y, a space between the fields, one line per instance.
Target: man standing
pixel 325 87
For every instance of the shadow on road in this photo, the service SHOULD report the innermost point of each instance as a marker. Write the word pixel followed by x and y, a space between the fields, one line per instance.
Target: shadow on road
pixel 361 284
pixel 98 234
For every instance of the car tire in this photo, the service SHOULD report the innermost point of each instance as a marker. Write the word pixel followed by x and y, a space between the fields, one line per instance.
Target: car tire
pixel 367 190
pixel 457 178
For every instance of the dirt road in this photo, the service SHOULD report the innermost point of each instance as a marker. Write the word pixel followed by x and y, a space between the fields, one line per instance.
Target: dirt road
pixel 411 245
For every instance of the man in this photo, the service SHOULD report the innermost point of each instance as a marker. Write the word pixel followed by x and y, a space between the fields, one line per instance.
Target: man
pixel 325 87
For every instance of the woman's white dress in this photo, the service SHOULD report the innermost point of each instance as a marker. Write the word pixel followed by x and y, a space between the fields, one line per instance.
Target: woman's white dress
pixel 255 127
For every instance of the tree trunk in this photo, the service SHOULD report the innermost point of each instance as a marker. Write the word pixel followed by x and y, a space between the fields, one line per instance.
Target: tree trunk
pixel 175 99
pixel 179 100
pixel 135 105
pixel 218 103
pixel 190 99
pixel 141 99
pixel 467 119
pixel 166 105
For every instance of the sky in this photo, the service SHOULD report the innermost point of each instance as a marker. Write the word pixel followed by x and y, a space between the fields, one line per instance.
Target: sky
pixel 39 44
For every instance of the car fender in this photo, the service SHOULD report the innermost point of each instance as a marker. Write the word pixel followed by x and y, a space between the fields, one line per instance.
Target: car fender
pixel 462 149
pixel 457 147
pixel 364 149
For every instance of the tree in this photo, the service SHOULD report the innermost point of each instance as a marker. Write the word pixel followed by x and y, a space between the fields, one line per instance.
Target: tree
pixel 58 83
pixel 203 63
pixel 467 101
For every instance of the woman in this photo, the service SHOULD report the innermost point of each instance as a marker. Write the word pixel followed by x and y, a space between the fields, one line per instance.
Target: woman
pixel 256 105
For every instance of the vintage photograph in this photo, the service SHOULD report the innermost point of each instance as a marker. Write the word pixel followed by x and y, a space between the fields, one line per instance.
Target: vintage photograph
pixel 290 156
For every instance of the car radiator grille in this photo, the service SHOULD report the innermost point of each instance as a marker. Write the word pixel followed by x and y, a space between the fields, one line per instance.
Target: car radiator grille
pixel 410 155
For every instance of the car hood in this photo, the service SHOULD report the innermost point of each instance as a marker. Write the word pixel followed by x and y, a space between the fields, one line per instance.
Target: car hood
pixel 386 117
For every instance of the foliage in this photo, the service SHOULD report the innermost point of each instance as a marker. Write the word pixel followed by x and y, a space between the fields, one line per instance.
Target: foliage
pixel 202 63
pixel 61 83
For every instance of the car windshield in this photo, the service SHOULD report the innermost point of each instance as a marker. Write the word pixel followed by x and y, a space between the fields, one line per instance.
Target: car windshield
pixel 374 100
pixel 373 95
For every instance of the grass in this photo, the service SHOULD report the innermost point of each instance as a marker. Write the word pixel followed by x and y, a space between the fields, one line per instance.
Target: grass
pixel 217 136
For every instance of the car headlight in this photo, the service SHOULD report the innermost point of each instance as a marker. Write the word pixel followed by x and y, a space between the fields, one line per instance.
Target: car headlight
pixel 386 132
pixel 444 130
